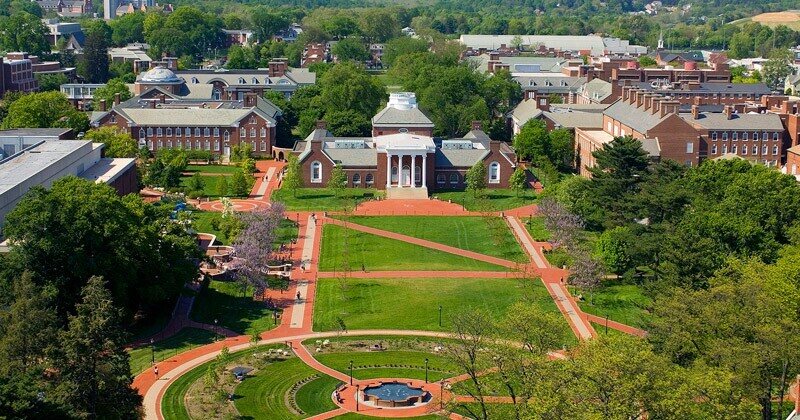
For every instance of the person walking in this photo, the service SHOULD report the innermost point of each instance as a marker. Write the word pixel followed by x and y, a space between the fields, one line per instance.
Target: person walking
pixel 155 370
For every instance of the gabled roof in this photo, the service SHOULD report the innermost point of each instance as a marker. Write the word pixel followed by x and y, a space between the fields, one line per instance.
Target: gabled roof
pixel 719 121
pixel 525 111
pixel 575 119
pixel 597 89
pixel 635 118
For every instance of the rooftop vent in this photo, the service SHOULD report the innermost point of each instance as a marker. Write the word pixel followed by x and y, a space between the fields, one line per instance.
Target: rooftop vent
pixel 402 100
pixel 456 144
pixel 349 144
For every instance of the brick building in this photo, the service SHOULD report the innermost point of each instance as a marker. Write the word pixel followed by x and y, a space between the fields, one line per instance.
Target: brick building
pixel 401 156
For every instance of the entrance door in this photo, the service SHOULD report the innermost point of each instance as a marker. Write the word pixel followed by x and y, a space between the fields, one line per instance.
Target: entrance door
pixel 406 176
pixel 227 151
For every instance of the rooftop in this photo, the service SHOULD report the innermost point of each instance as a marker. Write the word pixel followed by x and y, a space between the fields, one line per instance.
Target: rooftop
pixel 26 164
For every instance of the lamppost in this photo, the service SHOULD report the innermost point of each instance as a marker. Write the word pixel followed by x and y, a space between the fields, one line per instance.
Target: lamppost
pixel 351 373
pixel 426 370
pixel 152 352
pixel 357 387
pixel 606 324
pixel 441 396
pixel 275 316
pixel 440 315
pixel 216 330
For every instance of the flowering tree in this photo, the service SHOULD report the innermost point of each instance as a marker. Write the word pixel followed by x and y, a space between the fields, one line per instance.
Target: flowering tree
pixel 586 271
pixel 254 246
pixel 564 226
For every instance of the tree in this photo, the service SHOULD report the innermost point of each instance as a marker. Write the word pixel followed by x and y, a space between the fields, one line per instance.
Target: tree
pixel 532 142
pixel 51 82
pixel 564 226
pixel 95 370
pixel 196 183
pixel 94 64
pixel 350 49
pixel 293 177
pixel 109 91
pixel 401 46
pixel 222 186
pixel 254 246
pixel 378 25
pixel 44 110
pixel 472 329
pixel 476 178
pixel 240 58
pixel 518 181
pixel 619 168
pixel 348 124
pixel 23 31
pixel 562 148
pixel 144 256
pixel 647 61
pixel 347 86
pixel 338 179
pixel 613 247
pixel 117 144
pixel 127 28
pixel 239 187
pixel 537 330
pixel 266 24
pixel 777 68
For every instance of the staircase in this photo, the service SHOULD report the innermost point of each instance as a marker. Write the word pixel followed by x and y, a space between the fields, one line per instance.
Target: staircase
pixel 407 193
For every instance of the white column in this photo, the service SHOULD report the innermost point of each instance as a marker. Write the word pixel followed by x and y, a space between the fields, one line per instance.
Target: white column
pixel 400 170
pixel 424 168
pixel 413 171
pixel 388 169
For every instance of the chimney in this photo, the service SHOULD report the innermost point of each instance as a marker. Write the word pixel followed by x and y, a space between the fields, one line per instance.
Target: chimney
pixel 728 112
pixel 250 99
pixel 647 101
pixel 655 105
pixel 542 102
pixel 695 112
pixel 669 107
pixel 116 99
pixel 103 105
pixel 477 125
pixel 494 56
pixel 626 93
pixel 322 125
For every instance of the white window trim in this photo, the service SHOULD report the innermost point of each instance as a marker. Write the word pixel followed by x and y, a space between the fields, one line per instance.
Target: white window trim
pixel 496 179
pixel 318 179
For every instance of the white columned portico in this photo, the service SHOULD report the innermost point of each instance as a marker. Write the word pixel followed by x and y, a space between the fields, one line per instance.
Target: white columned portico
pixel 388 169
pixel 414 171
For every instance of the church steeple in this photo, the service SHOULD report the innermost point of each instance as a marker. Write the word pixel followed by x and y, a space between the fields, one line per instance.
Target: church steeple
pixel 661 40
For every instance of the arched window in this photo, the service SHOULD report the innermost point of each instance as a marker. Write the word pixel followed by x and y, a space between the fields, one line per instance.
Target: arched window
pixel 774 150
pixel 113 118
pixel 440 178
pixel 733 149
pixel 755 136
pixel 255 81
pixel 141 133
pixel 418 174
pixel 394 173
pixel 169 131
pixel 356 179
pixel 159 132
pixel 227 135
pixel 494 172
pixel 764 150
pixel 316 172
pixel 454 178
pixel 755 150
pixel 216 95
pixel 241 80
pixel 369 179
pixel 194 80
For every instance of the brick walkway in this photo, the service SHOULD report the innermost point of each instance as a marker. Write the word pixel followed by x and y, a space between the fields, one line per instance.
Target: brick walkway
pixel 266 181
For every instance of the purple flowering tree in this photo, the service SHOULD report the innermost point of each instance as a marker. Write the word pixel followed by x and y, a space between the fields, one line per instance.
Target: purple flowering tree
pixel 564 226
pixel 586 272
pixel 253 246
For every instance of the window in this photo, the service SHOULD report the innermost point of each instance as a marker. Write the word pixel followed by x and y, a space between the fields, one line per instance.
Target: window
pixel 744 149
pixel 713 149
pixel 169 131
pixel 440 179
pixel 226 136
pixel 690 147
pixel 197 132
pixel 369 179
pixel 755 150
pixel 774 150
pixel 494 172
pixel 744 136
pixel 216 144
pixel 216 131
pixel 775 136
pixel 206 132
pixel 725 135
pixel 733 149
pixel 713 135
pixel 253 132
pixel 263 132
pixel 724 149
pixel 394 174
pixel 208 144
pixel 159 132
pixel 356 179
pixel 263 146
pixel 241 80
pixel 197 145
pixel 113 118
pixel 764 150
pixel 141 133
pixel 149 131
pixel 216 95
pixel 417 174
pixel 169 144
pixel 316 172
pixel 755 136
pixel 160 144
pixel 188 132
pixel 188 145
pixel 150 144
pixel 178 132
pixel 194 80
pixel 735 135
pixel 243 133
pixel 454 178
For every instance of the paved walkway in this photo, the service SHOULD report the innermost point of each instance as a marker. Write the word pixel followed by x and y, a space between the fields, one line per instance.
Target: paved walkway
pixel 266 181
pixel 423 274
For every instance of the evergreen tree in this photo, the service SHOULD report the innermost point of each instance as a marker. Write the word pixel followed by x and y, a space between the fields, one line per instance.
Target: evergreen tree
pixel 95 371
pixel 94 65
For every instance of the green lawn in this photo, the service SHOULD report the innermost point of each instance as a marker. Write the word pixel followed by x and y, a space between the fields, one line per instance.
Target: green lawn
pixel 323 199
pixel 186 339
pixel 493 200
pixel 354 416
pixel 490 236
pixel 210 185
pixel 414 303
pixel 536 228
pixel 377 253
pixel 235 310
pixel 212 169
pixel 202 222
pixel 390 364
pixel 625 303
pixel 287 231
pixel 262 396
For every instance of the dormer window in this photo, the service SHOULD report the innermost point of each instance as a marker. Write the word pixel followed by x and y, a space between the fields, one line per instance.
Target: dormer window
pixel 255 81
pixel 241 80
pixel 195 81
pixel 267 81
